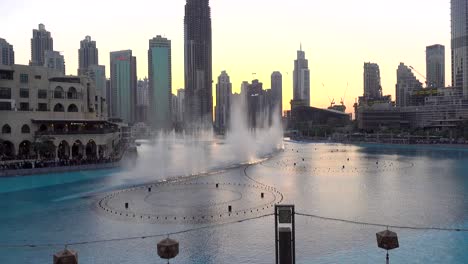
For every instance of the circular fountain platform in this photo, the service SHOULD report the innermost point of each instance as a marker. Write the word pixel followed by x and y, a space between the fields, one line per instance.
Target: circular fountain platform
pixel 190 202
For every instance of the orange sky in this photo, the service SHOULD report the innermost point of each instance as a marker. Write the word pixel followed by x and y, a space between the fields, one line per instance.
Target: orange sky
pixel 250 37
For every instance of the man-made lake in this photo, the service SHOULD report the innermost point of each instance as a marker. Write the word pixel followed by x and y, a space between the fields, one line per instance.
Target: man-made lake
pixel 390 185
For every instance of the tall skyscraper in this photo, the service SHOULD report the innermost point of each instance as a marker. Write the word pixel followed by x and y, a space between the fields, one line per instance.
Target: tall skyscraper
pixel 301 81
pixel 435 66
pixel 40 42
pixel 372 85
pixel 459 18
pixel 7 54
pixel 54 60
pixel 123 85
pixel 160 82
pixel 406 85
pixel 87 55
pixel 223 102
pixel 277 91
pixel 198 65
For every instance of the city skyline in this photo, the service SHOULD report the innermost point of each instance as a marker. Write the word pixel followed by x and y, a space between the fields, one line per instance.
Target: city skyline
pixel 322 44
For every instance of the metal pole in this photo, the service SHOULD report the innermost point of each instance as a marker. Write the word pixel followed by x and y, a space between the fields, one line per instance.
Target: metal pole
pixel 293 235
pixel 388 258
pixel 276 233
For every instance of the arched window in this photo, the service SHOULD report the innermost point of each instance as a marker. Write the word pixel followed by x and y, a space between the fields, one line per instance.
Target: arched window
pixel 6 129
pixel 25 129
pixel 72 108
pixel 58 93
pixel 59 108
pixel 72 93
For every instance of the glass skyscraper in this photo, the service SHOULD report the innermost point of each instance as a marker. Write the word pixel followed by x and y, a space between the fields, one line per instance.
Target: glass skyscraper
pixel 198 65
pixel 459 9
pixel 301 79
pixel 160 83
pixel 123 85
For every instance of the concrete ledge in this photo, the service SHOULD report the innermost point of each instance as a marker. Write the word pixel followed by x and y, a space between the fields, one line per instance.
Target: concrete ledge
pixel 35 171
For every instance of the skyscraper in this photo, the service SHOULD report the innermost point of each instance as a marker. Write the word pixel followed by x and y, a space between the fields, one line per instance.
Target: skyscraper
pixel 435 66
pixel 54 60
pixel 198 65
pixel 123 85
pixel 372 85
pixel 160 82
pixel 277 91
pixel 301 81
pixel 97 73
pixel 459 17
pixel 7 54
pixel 180 106
pixel 406 85
pixel 40 42
pixel 87 55
pixel 109 98
pixel 223 102
pixel 142 100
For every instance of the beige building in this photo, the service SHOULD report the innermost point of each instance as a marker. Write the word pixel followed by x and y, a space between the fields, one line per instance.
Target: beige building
pixel 41 110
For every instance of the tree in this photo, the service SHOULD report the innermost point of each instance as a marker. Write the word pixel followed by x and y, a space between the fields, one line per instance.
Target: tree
pixel 44 149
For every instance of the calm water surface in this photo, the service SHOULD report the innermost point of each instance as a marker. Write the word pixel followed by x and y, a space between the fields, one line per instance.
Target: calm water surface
pixel 389 185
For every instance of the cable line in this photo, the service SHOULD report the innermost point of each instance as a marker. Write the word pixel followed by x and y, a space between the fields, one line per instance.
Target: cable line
pixel 382 225
pixel 87 242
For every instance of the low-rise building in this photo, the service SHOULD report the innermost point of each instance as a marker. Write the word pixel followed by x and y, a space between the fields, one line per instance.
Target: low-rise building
pixel 43 112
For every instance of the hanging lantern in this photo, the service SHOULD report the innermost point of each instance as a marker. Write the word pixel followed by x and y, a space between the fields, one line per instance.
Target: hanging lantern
pixel 387 240
pixel 66 257
pixel 168 249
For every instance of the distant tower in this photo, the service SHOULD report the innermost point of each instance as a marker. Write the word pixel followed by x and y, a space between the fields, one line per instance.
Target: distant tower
pixel 435 66
pixel 54 60
pixel 407 84
pixel 198 65
pixel 372 85
pixel 87 55
pixel 301 81
pixel 7 54
pixel 97 73
pixel 459 18
pixel 160 83
pixel 223 102
pixel 40 42
pixel 142 100
pixel 277 91
pixel 123 85
pixel 180 105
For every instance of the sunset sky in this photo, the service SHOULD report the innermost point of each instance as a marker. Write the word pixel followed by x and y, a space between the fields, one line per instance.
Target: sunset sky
pixel 249 36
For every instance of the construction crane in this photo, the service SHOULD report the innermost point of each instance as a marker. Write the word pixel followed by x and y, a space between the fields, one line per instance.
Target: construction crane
pixel 344 97
pixel 332 101
pixel 420 74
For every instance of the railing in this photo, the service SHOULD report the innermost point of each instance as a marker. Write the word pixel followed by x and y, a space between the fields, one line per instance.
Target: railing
pixel 83 132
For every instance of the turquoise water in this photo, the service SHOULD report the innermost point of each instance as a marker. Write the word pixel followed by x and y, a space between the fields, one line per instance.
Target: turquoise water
pixel 390 185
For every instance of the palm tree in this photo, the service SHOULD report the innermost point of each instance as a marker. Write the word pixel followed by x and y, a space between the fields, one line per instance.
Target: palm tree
pixel 44 146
